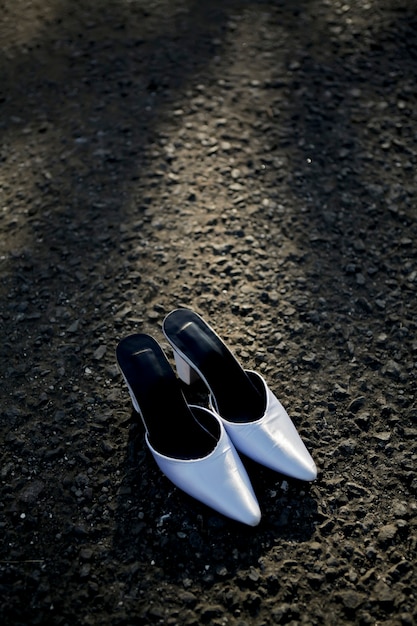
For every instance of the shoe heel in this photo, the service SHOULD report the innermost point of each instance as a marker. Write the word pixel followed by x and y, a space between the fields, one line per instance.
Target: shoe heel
pixel 132 395
pixel 184 370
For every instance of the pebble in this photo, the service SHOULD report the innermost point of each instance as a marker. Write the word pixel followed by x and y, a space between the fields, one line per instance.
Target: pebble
pixel 392 369
pixel 383 594
pixel 31 492
pixel 210 612
pixel 356 404
pixel 351 599
pixel 73 327
pixel 99 353
pixel 383 435
pixel 188 598
pixel 387 533
pixel 85 571
pixel 86 554
pixel 347 447
pixel 340 392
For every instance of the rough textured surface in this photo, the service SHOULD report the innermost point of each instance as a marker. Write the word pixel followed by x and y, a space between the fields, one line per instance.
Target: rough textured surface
pixel 254 161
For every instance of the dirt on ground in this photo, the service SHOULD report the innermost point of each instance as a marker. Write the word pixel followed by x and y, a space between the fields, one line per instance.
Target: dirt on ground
pixel 254 161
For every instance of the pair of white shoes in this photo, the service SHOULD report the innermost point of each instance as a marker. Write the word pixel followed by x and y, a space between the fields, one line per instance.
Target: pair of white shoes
pixel 195 447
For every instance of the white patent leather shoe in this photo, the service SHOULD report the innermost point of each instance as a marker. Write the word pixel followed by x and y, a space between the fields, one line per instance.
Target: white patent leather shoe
pixel 189 443
pixel 255 420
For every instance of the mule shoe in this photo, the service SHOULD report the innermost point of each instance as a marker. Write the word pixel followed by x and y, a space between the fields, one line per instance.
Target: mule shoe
pixel 255 420
pixel 189 443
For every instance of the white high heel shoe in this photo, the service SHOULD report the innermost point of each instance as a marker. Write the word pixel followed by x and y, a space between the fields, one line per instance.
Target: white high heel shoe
pixel 255 420
pixel 189 443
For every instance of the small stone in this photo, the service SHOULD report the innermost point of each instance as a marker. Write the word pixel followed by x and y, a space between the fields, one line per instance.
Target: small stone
pixel 392 369
pixel 54 453
pixel 157 611
pixel 381 339
pixel 310 360
pixel 355 490
pixel 315 580
pixel 107 447
pixel 280 612
pixel 188 598
pixel 397 571
pixel 86 554
pixel 74 327
pixel 253 574
pixel 85 571
pixel 363 303
pixel 382 593
pixel 340 392
pixel 363 420
pixel 356 404
pixel 387 533
pixel 313 316
pixel 210 612
pixel 399 509
pixel 31 492
pixel 99 353
pixel 347 448
pixel 351 599
pixel 221 570
pixel 383 436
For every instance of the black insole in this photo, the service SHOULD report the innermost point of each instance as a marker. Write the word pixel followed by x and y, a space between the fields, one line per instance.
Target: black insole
pixel 172 428
pixel 236 396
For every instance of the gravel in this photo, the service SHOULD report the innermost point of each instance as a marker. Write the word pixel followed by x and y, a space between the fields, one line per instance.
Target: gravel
pixel 254 161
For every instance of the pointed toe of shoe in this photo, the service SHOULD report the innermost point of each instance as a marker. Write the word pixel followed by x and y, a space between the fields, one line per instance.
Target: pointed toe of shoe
pixel 310 473
pixel 239 507
pixel 252 519
pixel 242 503
pixel 273 441
pixel 291 460
pixel 218 480
pixel 249 514
pixel 302 469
